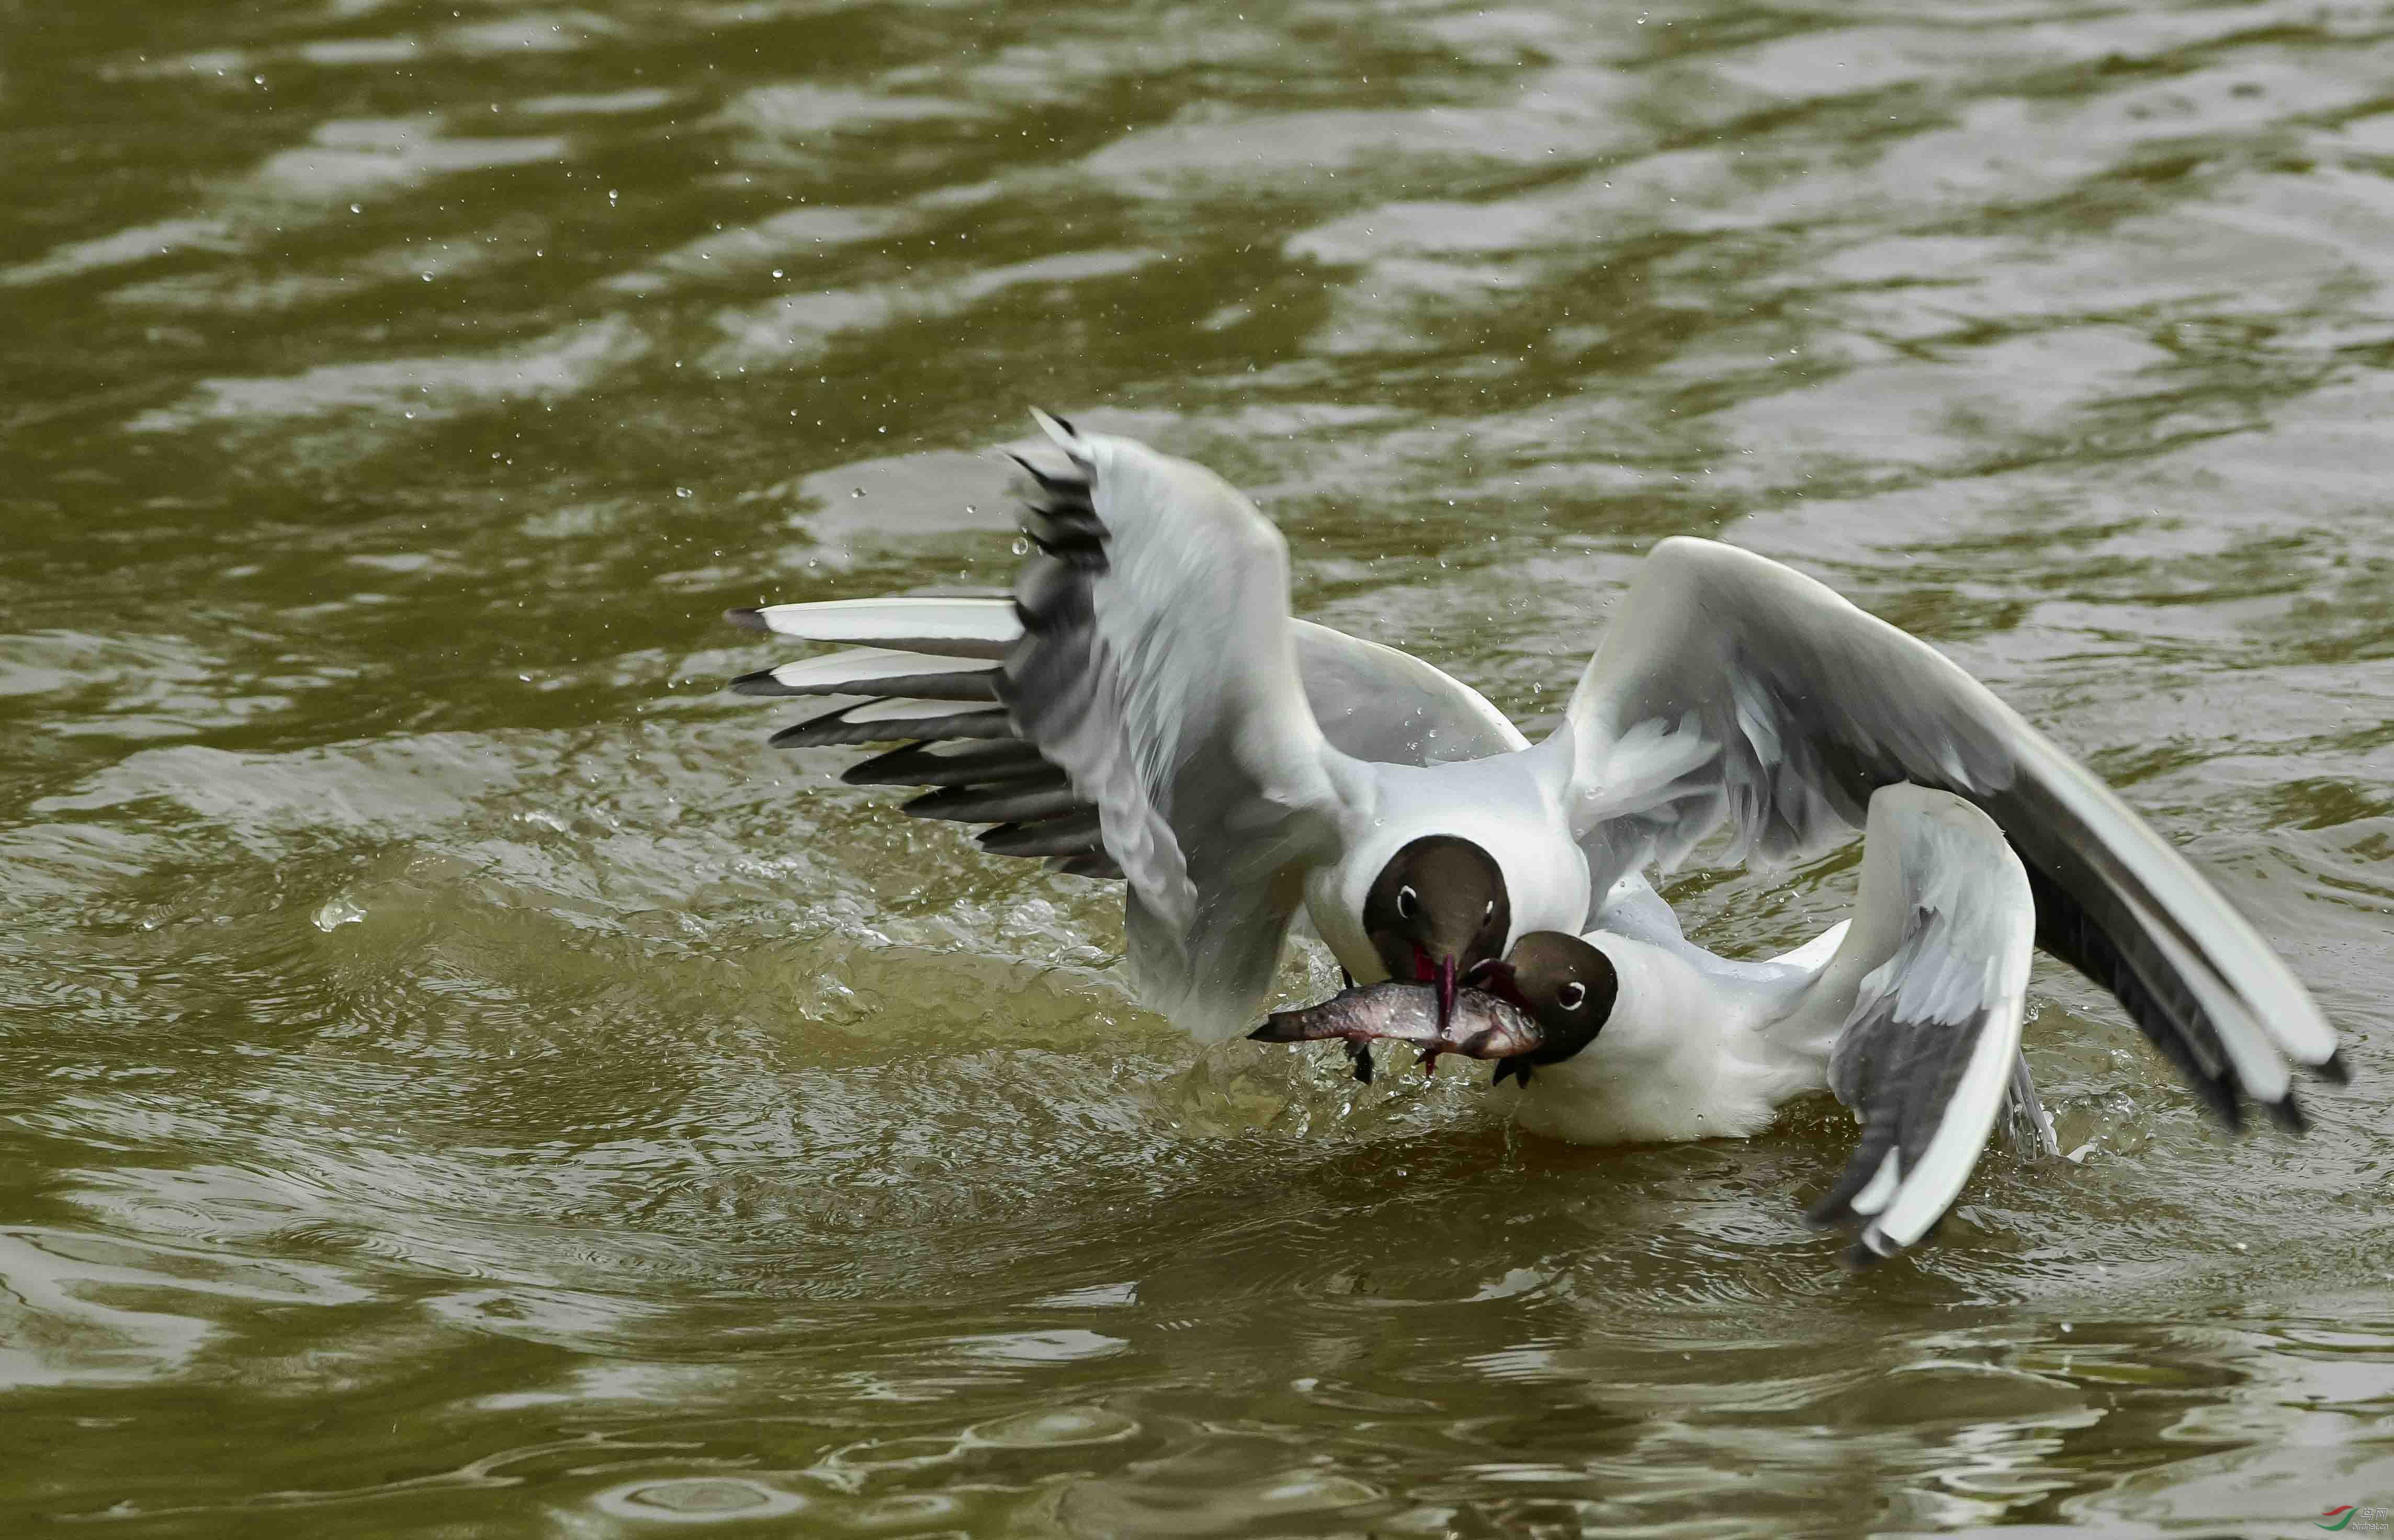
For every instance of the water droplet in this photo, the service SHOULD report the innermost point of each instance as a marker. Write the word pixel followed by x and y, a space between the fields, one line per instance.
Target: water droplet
pixel 337 913
pixel 857 491
pixel 611 197
pixel 1022 546
pixel 684 491
pixel 355 208
pixel 777 272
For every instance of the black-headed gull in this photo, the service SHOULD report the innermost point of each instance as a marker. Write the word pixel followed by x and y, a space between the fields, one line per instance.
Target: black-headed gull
pixel 1145 707
pixel 1909 1012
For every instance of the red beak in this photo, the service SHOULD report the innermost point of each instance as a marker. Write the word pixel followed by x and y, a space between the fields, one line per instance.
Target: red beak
pixel 1442 975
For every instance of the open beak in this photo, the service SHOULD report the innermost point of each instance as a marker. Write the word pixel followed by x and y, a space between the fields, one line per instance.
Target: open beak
pixel 1495 976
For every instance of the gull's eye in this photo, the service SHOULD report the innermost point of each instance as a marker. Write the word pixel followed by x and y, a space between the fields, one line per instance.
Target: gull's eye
pixel 1571 996
pixel 1408 903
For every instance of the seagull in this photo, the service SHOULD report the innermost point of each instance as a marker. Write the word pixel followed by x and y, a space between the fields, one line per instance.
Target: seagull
pixel 1146 707
pixel 1909 1012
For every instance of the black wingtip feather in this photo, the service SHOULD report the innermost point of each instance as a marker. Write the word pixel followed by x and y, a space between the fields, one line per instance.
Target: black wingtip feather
pixel 966 765
pixel 1058 485
pixel 1836 1208
pixel 747 619
pixel 814 733
pixel 832 728
pixel 2289 1115
pixel 1863 1255
pixel 1027 799
pixel 759 683
pixel 2219 1094
pixel 2334 1070
pixel 2168 1016
pixel 1073 834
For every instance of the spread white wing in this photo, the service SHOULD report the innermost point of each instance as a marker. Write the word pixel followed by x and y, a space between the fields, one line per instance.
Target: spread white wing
pixel 1729 687
pixel 1144 708
pixel 1925 998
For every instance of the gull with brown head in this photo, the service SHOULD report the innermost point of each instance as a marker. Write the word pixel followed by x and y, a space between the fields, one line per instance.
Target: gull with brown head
pixel 1145 707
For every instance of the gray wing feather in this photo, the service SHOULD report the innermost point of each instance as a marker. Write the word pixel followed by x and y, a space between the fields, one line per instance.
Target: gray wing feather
pixel 1730 687
pixel 1931 983
pixel 952 629
pixel 1372 701
pixel 1157 668
pixel 1149 663
pixel 1377 704
pixel 869 671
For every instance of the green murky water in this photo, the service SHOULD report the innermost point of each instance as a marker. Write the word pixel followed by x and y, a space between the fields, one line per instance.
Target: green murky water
pixel 455 1080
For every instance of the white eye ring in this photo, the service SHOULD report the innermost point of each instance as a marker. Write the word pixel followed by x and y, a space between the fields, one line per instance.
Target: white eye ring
pixel 1571 996
pixel 1408 903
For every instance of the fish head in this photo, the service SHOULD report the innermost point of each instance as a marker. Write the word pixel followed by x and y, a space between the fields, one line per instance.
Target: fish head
pixel 1563 983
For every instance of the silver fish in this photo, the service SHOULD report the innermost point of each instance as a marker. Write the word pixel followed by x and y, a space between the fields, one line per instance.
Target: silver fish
pixel 1481 1027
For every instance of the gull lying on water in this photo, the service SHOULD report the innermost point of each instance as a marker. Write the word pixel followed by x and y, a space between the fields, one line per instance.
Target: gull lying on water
pixel 1635 1034
pixel 1145 706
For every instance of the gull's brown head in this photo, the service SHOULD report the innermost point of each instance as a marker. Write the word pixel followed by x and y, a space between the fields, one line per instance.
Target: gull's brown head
pixel 1564 984
pixel 1438 910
